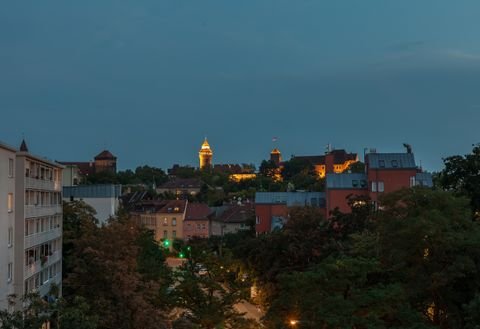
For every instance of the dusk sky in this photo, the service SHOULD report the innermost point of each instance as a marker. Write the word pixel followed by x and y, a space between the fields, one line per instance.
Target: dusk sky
pixel 148 79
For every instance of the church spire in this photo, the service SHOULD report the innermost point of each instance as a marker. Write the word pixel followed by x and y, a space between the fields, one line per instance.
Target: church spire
pixel 23 146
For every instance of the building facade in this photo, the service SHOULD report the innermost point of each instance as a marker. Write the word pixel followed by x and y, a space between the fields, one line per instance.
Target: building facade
pixel 37 232
pixel 165 218
pixel 197 222
pixel 104 198
pixel 384 173
pixel 272 208
pixel 7 223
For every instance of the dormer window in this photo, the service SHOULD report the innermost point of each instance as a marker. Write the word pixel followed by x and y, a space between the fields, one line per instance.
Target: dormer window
pixel 394 163
pixel 381 163
pixel 355 183
pixel 176 209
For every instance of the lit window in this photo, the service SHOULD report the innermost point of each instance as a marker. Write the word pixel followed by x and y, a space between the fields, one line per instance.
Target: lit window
pixel 381 187
pixel 374 186
pixel 165 221
pixel 10 202
pixel 10 167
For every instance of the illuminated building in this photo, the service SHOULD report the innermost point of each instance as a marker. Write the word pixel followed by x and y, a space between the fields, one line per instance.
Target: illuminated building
pixel 276 156
pixel 336 161
pixel 205 155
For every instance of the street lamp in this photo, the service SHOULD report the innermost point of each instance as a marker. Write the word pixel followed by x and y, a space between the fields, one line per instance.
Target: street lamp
pixel 293 323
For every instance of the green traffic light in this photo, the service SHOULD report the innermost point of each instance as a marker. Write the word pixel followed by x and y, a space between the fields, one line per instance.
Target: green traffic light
pixel 189 248
pixel 166 243
pixel 181 255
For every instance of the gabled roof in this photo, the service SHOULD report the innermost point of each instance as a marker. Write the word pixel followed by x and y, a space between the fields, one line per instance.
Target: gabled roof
pixel 105 155
pixel 84 168
pixel 347 181
pixel 390 161
pixel 197 211
pixel 237 213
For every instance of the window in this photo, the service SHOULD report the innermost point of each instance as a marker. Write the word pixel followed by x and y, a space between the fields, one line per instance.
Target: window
pixel 198 226
pixel 394 163
pixel 174 234
pixel 165 234
pixel 10 272
pixel 165 221
pixel 381 187
pixel 257 220
pixel 374 186
pixel 412 181
pixel 381 163
pixel 355 183
pixel 10 167
pixel 174 221
pixel 203 226
pixel 363 183
pixel 10 202
pixel 10 237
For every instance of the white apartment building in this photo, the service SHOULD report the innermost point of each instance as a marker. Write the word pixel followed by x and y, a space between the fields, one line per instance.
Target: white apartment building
pixel 7 222
pixel 30 223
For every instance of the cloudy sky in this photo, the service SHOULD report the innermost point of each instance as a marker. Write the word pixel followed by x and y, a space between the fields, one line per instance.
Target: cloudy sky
pixel 148 79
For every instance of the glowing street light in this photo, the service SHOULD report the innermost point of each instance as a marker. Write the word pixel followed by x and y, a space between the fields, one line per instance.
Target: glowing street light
pixel 293 323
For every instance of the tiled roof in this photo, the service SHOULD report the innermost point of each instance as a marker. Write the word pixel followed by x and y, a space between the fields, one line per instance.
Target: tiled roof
pixel 85 168
pixel 161 206
pixel 347 181
pixel 339 157
pixel 198 211
pixel 237 213
pixel 390 161
pixel 105 155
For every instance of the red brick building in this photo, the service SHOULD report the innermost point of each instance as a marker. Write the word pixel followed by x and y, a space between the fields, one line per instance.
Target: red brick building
pixel 384 173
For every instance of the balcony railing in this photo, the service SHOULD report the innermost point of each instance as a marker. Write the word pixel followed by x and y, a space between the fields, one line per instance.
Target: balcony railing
pixel 39 238
pixel 39 211
pixel 37 266
pixel 42 184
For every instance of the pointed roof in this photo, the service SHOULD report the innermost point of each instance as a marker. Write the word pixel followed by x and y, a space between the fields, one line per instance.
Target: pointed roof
pixel 23 146
pixel 105 155
pixel 275 151
pixel 205 146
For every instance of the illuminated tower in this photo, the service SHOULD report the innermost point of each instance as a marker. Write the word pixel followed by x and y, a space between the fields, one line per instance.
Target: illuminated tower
pixel 205 155
pixel 276 156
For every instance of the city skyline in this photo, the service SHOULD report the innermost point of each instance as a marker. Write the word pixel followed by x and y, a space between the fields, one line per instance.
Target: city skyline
pixel 149 79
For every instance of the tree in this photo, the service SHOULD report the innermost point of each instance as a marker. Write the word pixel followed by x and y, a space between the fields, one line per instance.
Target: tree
pixel 206 291
pixel 268 168
pixel 462 176
pixel 118 270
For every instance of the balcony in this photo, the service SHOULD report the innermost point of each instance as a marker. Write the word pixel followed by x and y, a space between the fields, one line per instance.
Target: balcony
pixel 37 266
pixel 39 238
pixel 40 211
pixel 44 289
pixel 41 184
